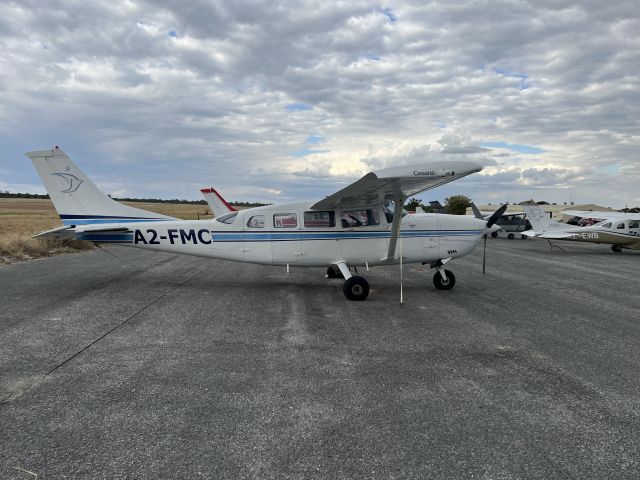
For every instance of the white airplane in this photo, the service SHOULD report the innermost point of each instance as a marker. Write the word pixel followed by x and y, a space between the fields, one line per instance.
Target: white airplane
pixel 621 230
pixel 356 226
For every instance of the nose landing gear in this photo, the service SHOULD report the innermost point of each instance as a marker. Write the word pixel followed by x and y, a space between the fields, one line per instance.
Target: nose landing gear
pixel 444 279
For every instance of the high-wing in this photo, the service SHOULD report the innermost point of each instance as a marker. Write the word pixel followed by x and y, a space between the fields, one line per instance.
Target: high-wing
pixel 396 182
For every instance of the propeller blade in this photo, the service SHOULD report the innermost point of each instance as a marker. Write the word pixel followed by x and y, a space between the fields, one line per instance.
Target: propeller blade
pixel 496 215
pixel 484 255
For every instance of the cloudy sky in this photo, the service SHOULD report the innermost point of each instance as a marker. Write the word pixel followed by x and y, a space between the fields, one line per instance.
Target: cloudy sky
pixel 278 101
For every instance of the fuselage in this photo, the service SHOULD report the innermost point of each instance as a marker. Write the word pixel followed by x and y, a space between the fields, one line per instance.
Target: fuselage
pixel 294 234
pixel 621 232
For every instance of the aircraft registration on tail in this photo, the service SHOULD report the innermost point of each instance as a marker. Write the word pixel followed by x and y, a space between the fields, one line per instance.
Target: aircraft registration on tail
pixel 358 226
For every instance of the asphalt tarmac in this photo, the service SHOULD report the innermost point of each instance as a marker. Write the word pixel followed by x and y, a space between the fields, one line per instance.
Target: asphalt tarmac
pixel 165 366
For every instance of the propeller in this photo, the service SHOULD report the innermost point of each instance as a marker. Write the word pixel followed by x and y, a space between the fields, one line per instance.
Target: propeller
pixel 490 223
pixel 496 215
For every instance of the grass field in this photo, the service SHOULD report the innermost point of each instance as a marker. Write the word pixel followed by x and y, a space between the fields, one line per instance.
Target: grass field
pixel 21 218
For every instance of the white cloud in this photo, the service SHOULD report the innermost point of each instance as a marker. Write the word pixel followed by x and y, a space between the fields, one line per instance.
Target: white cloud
pixel 159 113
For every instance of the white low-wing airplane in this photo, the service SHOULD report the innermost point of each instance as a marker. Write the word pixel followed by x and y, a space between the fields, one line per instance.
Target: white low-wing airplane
pixel 621 230
pixel 356 226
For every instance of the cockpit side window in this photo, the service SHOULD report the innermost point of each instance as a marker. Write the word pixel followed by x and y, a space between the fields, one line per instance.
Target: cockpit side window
pixel 390 207
pixel 360 218
pixel 228 219
pixel 607 225
pixel 620 226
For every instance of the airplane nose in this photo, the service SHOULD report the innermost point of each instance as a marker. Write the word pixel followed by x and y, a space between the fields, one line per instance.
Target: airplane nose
pixel 491 229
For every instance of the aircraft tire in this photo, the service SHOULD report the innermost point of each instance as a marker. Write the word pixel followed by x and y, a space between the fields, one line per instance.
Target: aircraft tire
pixel 524 237
pixel 441 284
pixel 616 248
pixel 511 236
pixel 494 234
pixel 356 288
pixel 333 272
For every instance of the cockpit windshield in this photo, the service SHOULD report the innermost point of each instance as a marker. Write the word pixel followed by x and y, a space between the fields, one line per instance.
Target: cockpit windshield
pixel 390 207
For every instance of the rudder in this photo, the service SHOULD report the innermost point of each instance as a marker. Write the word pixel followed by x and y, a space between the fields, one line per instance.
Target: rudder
pixel 76 198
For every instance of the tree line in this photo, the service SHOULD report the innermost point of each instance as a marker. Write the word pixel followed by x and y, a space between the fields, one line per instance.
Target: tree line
pixel 7 194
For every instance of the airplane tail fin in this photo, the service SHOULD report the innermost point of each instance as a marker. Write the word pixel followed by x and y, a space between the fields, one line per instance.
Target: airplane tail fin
pixel 540 220
pixel 76 198
pixel 217 204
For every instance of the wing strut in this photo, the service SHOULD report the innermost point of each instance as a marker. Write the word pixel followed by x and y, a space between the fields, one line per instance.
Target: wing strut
pixel 395 227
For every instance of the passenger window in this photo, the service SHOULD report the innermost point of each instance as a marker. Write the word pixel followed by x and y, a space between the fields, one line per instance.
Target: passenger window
pixel 257 221
pixel 620 226
pixel 227 218
pixel 607 225
pixel 634 224
pixel 285 220
pixel 319 219
pixel 360 218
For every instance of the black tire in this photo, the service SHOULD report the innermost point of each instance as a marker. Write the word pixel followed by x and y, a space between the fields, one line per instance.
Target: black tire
pixel 441 284
pixel 333 272
pixel 616 248
pixel 356 288
pixel 524 237
pixel 511 236
pixel 494 234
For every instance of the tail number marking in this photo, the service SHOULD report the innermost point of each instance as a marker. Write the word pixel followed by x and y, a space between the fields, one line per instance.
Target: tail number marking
pixel 184 237
pixel 590 235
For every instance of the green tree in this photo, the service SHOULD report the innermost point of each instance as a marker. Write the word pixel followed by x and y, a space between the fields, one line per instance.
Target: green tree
pixel 412 204
pixel 457 204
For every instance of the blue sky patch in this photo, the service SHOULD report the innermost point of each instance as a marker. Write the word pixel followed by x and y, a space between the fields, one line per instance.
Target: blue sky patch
pixel 307 151
pixel 516 147
pixel 172 33
pixel 298 107
pixel 391 17
pixel 524 78
pixel 314 139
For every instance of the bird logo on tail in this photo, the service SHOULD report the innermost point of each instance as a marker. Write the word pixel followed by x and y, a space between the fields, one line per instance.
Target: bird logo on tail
pixel 73 182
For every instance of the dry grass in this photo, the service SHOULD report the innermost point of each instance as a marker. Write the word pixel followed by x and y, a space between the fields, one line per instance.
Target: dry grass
pixel 21 218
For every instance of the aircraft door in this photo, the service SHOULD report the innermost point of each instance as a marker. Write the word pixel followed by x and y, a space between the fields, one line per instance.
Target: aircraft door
pixel 257 239
pixel 364 235
pixel 285 238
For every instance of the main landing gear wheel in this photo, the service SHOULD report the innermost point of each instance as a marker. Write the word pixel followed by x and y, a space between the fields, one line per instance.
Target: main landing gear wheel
pixel 511 236
pixel 616 248
pixel 356 288
pixel 494 234
pixel 333 272
pixel 441 283
pixel 524 236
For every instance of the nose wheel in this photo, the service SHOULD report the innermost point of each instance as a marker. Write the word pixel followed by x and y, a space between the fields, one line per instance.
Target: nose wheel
pixel 442 283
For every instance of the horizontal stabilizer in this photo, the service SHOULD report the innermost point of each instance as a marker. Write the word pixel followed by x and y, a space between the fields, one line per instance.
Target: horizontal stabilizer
pixel 60 232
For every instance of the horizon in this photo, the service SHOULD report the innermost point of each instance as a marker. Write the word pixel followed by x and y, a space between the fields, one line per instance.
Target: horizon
pixel 278 105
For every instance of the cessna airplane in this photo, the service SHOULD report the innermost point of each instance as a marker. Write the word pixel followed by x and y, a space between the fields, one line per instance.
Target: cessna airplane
pixel 356 226
pixel 621 230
